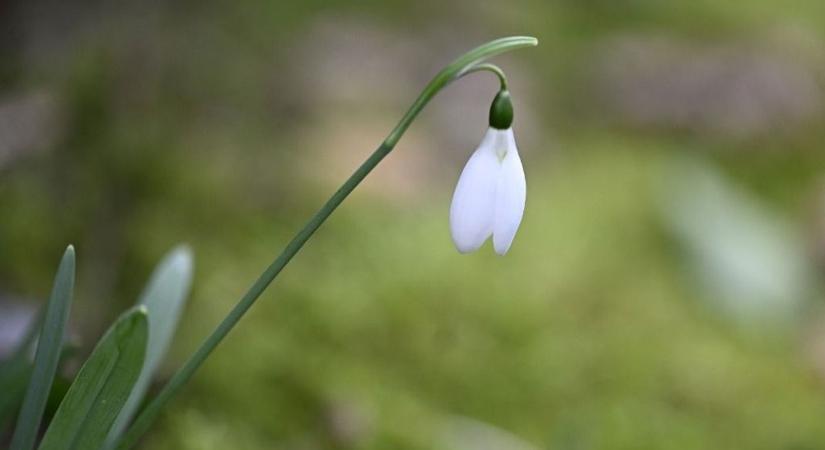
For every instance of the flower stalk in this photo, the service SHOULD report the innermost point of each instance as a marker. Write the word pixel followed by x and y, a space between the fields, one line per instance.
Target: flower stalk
pixel 468 63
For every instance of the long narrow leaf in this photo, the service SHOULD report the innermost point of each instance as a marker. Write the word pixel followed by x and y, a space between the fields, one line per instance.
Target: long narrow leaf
pixel 47 355
pixel 164 297
pixel 102 386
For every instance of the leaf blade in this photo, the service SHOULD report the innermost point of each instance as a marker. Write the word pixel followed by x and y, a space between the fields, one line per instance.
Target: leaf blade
pixel 102 385
pixel 48 354
pixel 164 297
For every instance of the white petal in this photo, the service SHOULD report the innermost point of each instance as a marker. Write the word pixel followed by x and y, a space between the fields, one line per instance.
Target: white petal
pixel 511 194
pixel 473 207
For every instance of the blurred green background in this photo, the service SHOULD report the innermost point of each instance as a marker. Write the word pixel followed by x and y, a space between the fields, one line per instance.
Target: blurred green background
pixel 663 292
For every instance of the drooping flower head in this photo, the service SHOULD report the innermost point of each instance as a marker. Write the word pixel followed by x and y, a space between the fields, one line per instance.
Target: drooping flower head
pixel 491 192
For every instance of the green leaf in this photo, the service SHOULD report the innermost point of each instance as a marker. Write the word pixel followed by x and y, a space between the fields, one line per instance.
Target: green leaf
pixel 164 297
pixel 102 386
pixel 47 356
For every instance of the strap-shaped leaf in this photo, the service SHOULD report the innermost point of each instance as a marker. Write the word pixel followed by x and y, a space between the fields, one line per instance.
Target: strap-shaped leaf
pixel 164 297
pixel 102 386
pixel 47 355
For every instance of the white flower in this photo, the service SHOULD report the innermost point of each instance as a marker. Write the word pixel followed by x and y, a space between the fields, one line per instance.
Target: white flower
pixel 490 195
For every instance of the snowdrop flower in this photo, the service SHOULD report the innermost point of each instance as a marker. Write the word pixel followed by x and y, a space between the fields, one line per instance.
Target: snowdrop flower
pixel 491 191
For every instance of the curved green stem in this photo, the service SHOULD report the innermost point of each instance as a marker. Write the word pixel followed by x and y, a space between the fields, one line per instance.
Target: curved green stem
pixel 453 71
pixel 489 68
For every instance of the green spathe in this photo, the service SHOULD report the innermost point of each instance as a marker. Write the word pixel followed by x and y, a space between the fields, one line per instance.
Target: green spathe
pixel 501 111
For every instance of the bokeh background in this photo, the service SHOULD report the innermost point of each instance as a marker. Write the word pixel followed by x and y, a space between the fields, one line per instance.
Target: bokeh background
pixel 664 291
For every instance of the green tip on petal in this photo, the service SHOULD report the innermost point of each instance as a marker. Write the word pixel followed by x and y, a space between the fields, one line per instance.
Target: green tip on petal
pixel 501 111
